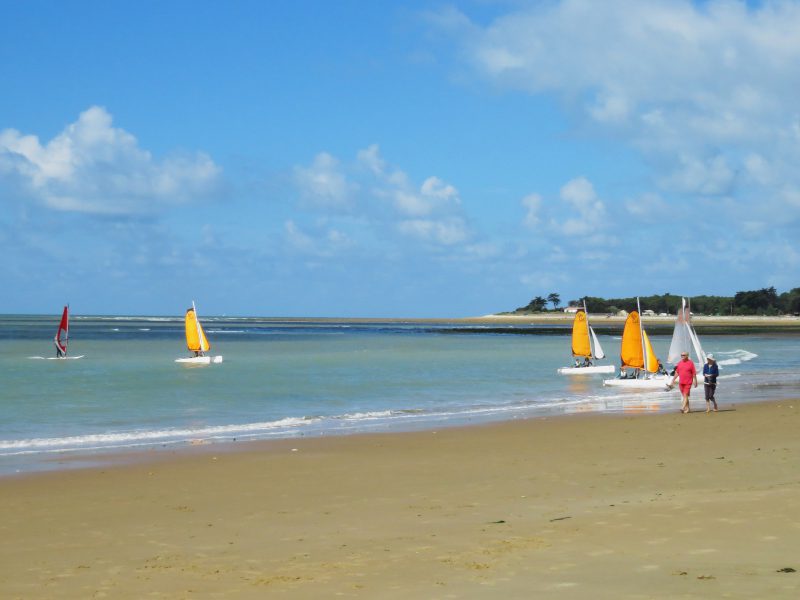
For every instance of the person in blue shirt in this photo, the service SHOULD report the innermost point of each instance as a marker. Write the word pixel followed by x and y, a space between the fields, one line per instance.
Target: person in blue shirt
pixel 710 374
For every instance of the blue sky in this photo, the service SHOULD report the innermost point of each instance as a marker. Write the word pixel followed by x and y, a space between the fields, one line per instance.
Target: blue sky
pixel 406 159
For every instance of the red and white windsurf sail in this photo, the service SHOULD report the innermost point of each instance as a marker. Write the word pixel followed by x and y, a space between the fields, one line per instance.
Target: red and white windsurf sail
pixel 62 335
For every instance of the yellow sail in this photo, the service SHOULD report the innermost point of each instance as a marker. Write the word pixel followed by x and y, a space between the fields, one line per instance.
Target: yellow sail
pixel 195 336
pixel 580 335
pixel 652 361
pixel 631 349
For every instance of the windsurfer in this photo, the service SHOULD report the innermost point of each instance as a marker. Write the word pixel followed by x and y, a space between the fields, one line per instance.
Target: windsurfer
pixel 710 374
pixel 59 352
pixel 686 372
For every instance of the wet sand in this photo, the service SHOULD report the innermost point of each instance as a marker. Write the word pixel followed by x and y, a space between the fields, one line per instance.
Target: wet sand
pixel 632 506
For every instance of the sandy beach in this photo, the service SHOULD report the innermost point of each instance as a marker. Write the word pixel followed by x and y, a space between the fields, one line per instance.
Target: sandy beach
pixel 625 506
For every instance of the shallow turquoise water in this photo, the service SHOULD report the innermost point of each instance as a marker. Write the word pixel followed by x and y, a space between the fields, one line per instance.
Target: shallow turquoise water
pixel 282 379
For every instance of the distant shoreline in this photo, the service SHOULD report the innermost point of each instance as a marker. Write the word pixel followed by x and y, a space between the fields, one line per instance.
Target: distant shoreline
pixel 781 322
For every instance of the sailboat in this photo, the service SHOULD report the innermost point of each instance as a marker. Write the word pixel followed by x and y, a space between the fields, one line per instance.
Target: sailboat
pixel 636 352
pixel 196 341
pixel 684 339
pixel 61 339
pixel 585 345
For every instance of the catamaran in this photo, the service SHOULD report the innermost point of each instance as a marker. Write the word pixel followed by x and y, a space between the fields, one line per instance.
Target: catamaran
pixel 636 353
pixel 586 346
pixel 196 341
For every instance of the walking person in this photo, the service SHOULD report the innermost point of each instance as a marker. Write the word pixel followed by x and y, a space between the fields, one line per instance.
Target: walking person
pixel 710 374
pixel 686 372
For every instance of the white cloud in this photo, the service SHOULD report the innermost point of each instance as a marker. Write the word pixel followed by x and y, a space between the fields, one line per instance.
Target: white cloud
pixel 323 243
pixel 533 204
pixel 446 232
pixel 385 197
pixel 588 213
pixel 92 167
pixel 710 177
pixel 324 185
pixel 371 158
pixel 648 207
pixel 706 91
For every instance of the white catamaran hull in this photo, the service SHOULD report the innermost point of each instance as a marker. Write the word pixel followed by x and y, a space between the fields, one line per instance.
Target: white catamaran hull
pixel 586 370
pixel 200 360
pixel 658 382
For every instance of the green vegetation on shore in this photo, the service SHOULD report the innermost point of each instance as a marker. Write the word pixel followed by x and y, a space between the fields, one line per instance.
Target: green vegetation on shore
pixel 765 301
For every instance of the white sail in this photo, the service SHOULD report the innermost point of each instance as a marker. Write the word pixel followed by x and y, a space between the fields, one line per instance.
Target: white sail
pixel 698 349
pixel 681 339
pixel 598 349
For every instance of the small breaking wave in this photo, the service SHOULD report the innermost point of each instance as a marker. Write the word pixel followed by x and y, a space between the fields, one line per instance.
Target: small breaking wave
pixel 736 357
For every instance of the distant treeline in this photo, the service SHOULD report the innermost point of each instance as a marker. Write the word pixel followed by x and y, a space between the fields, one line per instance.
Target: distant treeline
pixel 766 301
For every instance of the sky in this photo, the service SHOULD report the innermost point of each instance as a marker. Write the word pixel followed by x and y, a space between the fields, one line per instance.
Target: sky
pixel 394 159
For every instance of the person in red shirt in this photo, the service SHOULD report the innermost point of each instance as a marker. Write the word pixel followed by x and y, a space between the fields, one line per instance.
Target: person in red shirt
pixel 686 371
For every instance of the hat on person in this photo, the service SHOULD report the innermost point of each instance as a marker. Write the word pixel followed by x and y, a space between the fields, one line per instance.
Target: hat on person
pixel 710 357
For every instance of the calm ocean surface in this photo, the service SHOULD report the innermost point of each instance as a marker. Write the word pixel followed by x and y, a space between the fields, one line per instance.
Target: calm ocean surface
pixel 284 378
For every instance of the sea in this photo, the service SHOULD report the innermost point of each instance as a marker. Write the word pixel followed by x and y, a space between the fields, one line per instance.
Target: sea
pixel 290 378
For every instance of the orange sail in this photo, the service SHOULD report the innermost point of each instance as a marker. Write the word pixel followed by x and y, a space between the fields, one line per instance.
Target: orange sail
pixel 195 336
pixel 631 351
pixel 580 335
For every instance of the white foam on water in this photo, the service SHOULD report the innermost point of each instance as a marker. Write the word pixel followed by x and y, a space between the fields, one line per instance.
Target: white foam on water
pixel 737 357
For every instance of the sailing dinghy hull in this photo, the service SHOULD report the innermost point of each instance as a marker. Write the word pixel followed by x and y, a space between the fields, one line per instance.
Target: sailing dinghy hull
pixel 657 383
pixel 586 370
pixel 200 360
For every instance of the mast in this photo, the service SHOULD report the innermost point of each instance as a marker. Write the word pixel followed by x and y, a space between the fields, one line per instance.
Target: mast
pixel 695 341
pixel 641 334
pixel 588 329
pixel 66 328
pixel 199 331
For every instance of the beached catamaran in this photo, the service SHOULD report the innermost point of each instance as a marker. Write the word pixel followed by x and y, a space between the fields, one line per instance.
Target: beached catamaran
pixel 196 341
pixel 637 354
pixel 586 346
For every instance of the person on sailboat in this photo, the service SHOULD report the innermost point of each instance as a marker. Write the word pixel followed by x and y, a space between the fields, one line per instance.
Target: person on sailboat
pixel 710 374
pixel 586 362
pixel 686 372
pixel 59 352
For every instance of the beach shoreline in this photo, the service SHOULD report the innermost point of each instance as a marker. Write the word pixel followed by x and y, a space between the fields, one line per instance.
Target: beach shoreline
pixel 616 506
